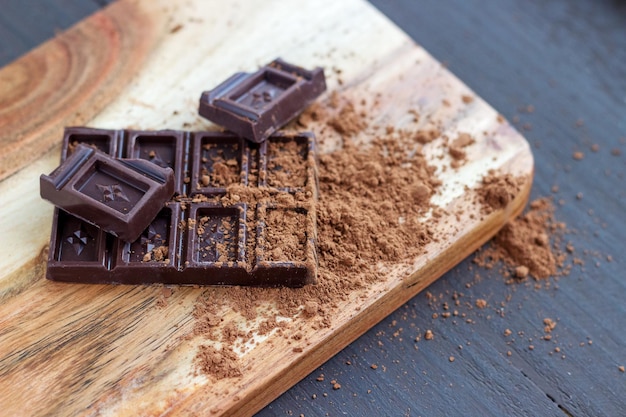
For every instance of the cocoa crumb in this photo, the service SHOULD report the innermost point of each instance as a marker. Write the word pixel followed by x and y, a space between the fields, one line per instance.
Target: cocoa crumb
pixel 157 254
pixel 549 325
pixel 429 335
pixel 310 308
pixel 480 303
pixel 166 292
pixel 348 122
pixel 218 363
pixel 578 155
pixel 521 272
pixel 497 191
pixel 427 135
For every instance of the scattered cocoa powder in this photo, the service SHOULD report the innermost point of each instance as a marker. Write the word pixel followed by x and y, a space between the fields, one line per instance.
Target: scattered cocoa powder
pixel 158 254
pixel 456 148
pixel 218 363
pixel 549 325
pixel 348 122
pixel 282 246
pixel 497 190
pixel 524 244
pixel 427 135
pixel 370 200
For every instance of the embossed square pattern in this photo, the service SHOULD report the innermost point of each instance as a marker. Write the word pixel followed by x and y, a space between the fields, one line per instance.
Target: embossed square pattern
pixel 243 213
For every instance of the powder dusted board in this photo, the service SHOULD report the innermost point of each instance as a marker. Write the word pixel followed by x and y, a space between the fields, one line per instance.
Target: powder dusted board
pixel 129 350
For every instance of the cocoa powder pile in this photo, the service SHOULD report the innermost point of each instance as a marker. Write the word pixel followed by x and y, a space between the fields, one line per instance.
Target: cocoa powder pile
pixel 497 191
pixel 528 245
pixel 371 200
pixel 370 203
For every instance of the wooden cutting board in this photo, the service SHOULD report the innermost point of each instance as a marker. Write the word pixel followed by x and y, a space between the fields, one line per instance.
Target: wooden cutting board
pixel 111 350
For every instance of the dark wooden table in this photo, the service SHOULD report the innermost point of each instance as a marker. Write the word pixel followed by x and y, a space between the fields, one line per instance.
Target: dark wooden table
pixel 567 59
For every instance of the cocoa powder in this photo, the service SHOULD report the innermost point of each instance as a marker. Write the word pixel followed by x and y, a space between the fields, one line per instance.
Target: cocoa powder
pixel 370 203
pixel 497 191
pixel 371 200
pixel 529 244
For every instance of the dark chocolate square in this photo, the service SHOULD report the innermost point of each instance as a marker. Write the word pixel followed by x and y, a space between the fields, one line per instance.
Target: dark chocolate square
pixel 165 148
pixel 255 105
pixel 155 253
pixel 77 248
pixel 101 139
pixel 220 159
pixel 119 196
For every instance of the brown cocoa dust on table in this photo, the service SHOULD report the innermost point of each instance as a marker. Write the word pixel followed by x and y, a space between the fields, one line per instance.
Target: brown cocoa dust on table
pixel 371 200
pixel 529 245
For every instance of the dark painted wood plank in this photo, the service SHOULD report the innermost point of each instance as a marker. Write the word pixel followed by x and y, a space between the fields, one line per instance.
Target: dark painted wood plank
pixel 25 24
pixel 566 59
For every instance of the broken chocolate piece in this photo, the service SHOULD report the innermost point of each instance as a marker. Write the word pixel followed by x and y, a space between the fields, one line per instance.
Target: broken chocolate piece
pixel 248 218
pixel 255 105
pixel 119 196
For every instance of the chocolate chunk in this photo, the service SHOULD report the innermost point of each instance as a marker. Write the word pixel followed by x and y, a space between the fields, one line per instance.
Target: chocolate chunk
pixel 255 105
pixel 119 196
pixel 248 217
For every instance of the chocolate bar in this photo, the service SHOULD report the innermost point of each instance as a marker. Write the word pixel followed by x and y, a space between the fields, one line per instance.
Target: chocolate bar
pixel 255 105
pixel 244 213
pixel 119 196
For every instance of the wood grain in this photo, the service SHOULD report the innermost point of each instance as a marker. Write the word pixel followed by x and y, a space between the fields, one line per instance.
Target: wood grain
pixel 68 80
pixel 102 350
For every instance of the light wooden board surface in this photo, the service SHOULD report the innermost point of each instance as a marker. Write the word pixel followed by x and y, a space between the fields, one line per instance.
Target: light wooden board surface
pixel 106 350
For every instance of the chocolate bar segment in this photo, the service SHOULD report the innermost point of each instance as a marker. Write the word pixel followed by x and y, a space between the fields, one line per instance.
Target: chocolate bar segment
pixel 103 140
pixel 220 160
pixel 119 196
pixel 77 249
pixel 286 245
pixel 165 148
pixel 153 257
pixel 249 221
pixel 216 245
pixel 255 105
